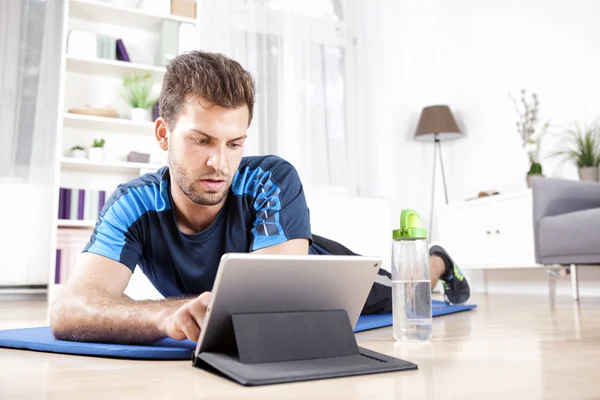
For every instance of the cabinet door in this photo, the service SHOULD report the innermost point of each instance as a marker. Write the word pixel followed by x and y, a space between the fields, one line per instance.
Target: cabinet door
pixel 512 232
pixel 465 233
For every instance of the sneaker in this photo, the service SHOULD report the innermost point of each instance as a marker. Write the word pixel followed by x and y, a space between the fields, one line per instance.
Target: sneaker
pixel 456 287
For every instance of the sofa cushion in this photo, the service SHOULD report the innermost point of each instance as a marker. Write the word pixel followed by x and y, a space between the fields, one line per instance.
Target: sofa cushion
pixel 571 238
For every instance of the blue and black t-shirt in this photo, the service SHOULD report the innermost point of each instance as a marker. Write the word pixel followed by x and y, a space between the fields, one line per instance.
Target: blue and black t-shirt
pixel 137 226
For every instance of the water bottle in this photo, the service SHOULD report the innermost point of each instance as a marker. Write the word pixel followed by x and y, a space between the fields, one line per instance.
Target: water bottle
pixel 411 280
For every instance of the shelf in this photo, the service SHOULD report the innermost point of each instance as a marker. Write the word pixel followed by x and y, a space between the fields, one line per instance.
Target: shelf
pixel 77 164
pixel 68 223
pixel 111 68
pixel 79 121
pixel 122 15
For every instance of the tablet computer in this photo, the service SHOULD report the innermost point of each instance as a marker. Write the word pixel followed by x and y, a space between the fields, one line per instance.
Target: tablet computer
pixel 257 283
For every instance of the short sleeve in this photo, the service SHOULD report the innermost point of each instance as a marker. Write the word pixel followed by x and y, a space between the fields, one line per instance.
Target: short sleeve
pixel 117 232
pixel 281 213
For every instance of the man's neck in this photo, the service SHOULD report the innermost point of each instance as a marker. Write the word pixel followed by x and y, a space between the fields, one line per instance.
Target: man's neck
pixel 191 217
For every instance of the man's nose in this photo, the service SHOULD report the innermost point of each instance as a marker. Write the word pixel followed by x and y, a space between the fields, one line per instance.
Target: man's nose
pixel 216 160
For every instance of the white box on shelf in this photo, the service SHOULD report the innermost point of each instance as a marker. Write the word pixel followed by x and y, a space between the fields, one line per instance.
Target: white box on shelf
pixel 82 44
pixel 188 38
pixel 168 45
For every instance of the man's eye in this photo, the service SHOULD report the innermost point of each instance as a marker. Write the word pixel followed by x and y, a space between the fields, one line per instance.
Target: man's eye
pixel 234 145
pixel 202 141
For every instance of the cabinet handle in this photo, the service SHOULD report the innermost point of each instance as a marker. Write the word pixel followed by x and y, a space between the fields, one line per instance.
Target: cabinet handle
pixel 498 231
pixel 488 232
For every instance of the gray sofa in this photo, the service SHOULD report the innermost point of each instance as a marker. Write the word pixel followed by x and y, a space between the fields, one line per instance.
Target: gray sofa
pixel 566 217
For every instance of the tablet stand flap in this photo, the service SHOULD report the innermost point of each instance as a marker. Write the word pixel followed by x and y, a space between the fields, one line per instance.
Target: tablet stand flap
pixel 283 347
pixel 287 336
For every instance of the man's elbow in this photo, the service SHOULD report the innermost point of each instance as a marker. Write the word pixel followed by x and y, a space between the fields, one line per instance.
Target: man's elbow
pixel 62 321
pixel 58 320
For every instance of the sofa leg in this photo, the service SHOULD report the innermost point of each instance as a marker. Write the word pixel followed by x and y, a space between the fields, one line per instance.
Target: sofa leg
pixel 554 271
pixel 574 282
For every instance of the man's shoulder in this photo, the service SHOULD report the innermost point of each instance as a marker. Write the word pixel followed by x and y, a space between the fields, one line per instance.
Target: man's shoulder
pixel 148 192
pixel 266 163
pixel 262 173
pixel 149 179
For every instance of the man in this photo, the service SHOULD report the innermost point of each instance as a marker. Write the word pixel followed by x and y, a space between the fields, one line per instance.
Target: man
pixel 177 223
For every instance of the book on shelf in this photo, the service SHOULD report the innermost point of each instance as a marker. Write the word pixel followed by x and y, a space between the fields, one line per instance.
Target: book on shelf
pixel 80 204
pixel 168 45
pixel 107 47
pixel 69 245
pixel 122 51
pixel 92 45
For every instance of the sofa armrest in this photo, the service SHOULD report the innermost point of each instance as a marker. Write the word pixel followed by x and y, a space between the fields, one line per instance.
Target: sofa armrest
pixel 560 196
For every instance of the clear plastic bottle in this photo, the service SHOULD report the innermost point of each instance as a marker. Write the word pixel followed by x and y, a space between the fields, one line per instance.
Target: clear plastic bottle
pixel 411 280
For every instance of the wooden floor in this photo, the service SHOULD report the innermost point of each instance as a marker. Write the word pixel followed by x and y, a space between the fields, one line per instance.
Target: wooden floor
pixel 510 347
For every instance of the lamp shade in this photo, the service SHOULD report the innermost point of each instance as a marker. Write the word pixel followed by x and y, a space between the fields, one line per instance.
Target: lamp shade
pixel 437 121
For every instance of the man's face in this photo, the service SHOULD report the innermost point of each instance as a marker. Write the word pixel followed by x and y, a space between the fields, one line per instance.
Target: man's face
pixel 205 150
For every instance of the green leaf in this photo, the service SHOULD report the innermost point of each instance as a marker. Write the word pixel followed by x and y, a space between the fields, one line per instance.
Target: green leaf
pixel 137 90
pixel 580 146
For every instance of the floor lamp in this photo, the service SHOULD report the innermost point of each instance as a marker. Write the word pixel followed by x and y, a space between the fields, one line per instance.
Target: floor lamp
pixel 436 125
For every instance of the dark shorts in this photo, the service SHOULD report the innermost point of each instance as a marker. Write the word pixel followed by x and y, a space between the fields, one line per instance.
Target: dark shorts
pixel 379 300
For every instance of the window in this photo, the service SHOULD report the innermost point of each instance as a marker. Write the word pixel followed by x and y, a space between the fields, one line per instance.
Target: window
pixel 300 54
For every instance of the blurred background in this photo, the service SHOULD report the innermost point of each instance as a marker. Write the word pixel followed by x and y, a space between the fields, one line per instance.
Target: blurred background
pixel 344 92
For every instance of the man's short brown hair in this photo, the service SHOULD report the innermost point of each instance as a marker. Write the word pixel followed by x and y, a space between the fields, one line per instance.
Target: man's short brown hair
pixel 212 77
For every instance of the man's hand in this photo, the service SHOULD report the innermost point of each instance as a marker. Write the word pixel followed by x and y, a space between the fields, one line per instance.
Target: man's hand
pixel 187 321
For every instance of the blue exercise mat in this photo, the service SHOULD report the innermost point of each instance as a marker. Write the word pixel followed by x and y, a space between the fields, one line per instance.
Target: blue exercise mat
pixel 41 339
pixel 366 322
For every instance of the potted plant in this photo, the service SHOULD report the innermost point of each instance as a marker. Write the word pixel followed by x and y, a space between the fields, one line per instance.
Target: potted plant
pixel 531 134
pixel 581 147
pixel 137 92
pixel 96 152
pixel 77 152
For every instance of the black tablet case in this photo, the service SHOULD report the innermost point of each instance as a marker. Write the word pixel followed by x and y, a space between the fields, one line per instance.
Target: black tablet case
pixel 268 348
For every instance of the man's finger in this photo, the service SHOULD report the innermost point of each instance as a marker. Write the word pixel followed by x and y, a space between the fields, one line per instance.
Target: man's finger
pixel 191 329
pixel 198 312
pixel 175 332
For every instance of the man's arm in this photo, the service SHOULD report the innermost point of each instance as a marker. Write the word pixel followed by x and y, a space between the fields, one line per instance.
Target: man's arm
pixel 294 246
pixel 92 307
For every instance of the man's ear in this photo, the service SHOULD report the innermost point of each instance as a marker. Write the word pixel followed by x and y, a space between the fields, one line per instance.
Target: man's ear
pixel 161 131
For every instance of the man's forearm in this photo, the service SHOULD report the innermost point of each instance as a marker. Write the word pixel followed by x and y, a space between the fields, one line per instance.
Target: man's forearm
pixel 100 317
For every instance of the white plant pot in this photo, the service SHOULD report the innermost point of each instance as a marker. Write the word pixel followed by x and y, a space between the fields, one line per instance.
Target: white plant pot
pixel 96 154
pixel 141 115
pixel 530 179
pixel 78 153
pixel 589 174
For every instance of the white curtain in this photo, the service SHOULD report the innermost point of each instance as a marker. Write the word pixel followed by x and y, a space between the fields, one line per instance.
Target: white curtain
pixel 297 52
pixel 30 49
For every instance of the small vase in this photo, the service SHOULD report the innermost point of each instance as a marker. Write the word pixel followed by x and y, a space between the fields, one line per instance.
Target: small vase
pixel 589 174
pixel 78 153
pixel 140 115
pixel 531 177
pixel 96 154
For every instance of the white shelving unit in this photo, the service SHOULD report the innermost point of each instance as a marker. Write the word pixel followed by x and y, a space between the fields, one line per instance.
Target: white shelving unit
pixel 96 82
pixel 111 68
pixel 90 122
pixel 84 165
pixel 68 223
pixel 121 15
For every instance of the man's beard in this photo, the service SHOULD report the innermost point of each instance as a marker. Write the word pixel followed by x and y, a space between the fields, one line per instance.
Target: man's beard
pixel 188 185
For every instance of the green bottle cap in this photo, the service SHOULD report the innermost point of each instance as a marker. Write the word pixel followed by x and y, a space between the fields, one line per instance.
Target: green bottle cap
pixel 410 227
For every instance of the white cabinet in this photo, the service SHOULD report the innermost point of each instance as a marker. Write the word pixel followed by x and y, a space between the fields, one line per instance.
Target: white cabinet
pixel 490 232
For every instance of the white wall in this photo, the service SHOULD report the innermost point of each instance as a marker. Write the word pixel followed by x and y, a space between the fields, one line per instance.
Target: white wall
pixel 470 54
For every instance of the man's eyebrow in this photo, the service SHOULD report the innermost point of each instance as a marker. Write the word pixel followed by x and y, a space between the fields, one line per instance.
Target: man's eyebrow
pixel 210 137
pixel 200 133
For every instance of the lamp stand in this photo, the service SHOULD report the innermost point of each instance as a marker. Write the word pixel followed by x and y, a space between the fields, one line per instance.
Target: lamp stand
pixel 436 144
